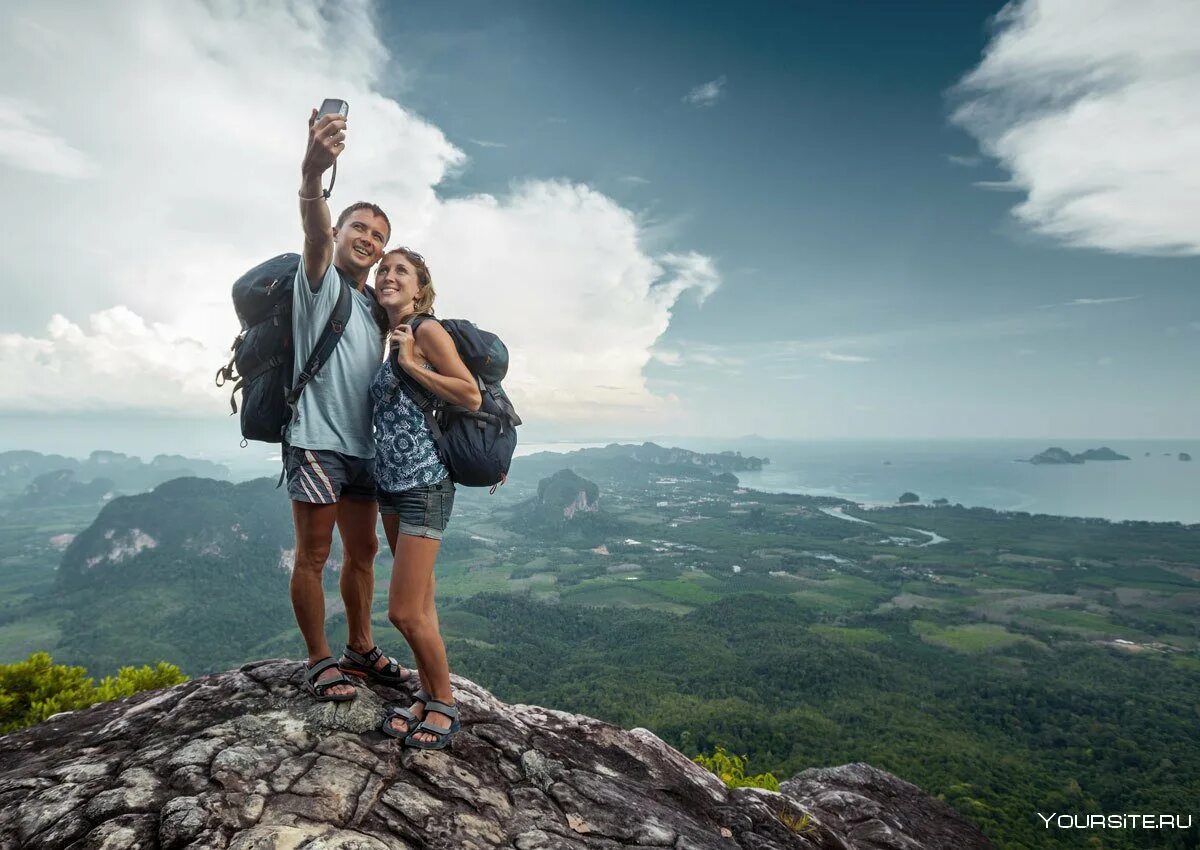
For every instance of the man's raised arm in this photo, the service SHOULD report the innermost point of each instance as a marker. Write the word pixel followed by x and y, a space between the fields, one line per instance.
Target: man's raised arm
pixel 326 139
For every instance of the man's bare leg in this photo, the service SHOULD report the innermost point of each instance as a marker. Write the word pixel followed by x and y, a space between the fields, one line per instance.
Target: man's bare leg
pixel 314 535
pixel 356 520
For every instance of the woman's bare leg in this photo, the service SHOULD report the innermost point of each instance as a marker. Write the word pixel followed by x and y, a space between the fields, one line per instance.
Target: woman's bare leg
pixel 411 610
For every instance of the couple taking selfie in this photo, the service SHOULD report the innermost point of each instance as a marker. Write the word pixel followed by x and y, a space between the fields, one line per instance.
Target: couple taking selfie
pixel 380 402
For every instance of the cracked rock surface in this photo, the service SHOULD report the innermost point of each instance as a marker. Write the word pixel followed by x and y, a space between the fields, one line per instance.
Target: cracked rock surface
pixel 245 761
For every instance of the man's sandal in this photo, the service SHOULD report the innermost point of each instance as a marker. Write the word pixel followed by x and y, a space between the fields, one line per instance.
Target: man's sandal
pixel 362 666
pixel 317 689
pixel 443 733
pixel 404 713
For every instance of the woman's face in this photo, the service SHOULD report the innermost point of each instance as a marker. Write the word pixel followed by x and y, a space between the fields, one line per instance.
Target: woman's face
pixel 396 282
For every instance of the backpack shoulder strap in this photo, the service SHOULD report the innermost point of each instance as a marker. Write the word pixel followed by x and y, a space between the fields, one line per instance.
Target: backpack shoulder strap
pixel 421 319
pixel 420 396
pixel 330 336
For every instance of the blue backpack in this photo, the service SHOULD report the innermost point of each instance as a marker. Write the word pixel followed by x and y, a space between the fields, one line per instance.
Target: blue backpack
pixel 475 446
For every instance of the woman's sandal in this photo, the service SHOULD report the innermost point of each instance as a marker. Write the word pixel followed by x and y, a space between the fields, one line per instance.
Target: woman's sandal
pixel 443 733
pixel 362 665
pixel 405 714
pixel 317 689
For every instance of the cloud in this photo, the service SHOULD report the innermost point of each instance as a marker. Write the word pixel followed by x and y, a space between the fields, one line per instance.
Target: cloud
pixel 997 185
pixel 197 184
pixel 95 368
pixel 695 355
pixel 27 145
pixel 706 94
pixel 1084 302
pixel 1091 106
pixel 484 143
pixel 634 179
pixel 844 358
pixel 964 161
pixel 1091 302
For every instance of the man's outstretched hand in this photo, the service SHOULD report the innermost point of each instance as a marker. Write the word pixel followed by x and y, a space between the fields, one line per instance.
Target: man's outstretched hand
pixel 326 140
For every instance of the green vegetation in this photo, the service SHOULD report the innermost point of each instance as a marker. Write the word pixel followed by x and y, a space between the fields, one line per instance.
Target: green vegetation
pixel 999 731
pixel 1007 662
pixel 732 771
pixel 971 637
pixel 36 688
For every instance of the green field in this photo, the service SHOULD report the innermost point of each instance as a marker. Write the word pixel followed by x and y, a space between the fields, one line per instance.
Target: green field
pixel 968 638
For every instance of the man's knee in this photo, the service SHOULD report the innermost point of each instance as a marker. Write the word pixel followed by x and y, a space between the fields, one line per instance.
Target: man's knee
pixel 312 558
pixel 361 554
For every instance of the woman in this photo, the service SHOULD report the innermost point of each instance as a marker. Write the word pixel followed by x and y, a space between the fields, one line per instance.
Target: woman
pixel 414 489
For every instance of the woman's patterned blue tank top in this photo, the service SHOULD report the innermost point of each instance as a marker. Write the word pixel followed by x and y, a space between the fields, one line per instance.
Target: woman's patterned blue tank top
pixel 405 453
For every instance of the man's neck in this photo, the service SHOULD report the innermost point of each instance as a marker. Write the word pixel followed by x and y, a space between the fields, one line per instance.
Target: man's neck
pixel 359 278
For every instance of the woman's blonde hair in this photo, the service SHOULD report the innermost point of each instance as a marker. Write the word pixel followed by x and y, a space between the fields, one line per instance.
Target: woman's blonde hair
pixel 423 303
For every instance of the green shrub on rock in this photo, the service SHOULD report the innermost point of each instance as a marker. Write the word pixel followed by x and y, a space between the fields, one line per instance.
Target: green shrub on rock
pixel 37 688
pixel 732 771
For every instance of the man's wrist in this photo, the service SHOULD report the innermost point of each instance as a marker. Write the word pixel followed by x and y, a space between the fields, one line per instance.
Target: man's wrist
pixel 311 171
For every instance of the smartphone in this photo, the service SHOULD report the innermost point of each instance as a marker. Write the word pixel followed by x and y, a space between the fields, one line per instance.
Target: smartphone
pixel 329 106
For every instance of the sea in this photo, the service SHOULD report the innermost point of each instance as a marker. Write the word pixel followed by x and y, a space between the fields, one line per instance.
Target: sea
pixel 1154 484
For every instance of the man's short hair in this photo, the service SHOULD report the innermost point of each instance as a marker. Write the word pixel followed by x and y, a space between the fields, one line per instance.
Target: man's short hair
pixel 363 205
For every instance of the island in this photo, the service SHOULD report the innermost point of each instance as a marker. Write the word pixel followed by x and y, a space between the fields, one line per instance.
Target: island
pixel 1184 456
pixel 908 498
pixel 1058 455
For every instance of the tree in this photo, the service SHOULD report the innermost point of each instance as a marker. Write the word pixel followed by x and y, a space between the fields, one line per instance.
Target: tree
pixel 36 688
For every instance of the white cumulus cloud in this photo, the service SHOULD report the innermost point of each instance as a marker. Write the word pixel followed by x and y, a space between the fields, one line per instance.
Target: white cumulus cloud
pixel 1091 105
pixel 183 158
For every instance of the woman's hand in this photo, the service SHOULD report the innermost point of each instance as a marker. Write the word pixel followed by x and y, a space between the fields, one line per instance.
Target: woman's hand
pixel 402 343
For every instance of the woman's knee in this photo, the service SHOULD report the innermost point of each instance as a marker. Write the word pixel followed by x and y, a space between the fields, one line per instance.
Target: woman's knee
pixel 408 620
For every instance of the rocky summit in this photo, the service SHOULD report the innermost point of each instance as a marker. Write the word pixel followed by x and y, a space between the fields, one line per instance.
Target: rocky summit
pixel 243 760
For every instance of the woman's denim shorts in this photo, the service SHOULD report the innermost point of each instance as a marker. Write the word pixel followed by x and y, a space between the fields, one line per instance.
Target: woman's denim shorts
pixel 423 511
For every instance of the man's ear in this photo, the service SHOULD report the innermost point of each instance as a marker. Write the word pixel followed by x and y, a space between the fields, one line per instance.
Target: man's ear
pixel 333 230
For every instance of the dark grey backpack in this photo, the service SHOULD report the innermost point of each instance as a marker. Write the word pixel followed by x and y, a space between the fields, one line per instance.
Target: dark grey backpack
pixel 475 446
pixel 263 354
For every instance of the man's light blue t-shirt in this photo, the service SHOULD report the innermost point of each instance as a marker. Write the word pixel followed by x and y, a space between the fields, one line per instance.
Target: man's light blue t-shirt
pixel 335 407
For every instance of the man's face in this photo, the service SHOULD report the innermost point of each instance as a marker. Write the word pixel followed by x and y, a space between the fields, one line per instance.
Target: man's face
pixel 358 243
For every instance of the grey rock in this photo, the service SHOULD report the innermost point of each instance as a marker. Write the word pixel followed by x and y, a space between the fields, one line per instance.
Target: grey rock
pixel 874 810
pixel 245 761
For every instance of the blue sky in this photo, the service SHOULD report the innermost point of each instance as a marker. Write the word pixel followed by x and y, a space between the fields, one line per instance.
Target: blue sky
pixel 838 200
pixel 799 220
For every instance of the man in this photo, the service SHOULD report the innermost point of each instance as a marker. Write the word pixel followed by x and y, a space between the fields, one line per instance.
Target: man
pixel 329 454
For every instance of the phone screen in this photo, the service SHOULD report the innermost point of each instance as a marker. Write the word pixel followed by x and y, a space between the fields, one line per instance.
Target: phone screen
pixel 330 106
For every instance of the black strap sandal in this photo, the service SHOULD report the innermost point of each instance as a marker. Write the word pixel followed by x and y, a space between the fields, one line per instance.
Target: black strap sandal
pixel 362 665
pixel 404 713
pixel 443 733
pixel 318 689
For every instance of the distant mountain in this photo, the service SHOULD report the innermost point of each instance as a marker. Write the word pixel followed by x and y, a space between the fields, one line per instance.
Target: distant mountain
pixel 61 487
pixel 196 571
pixel 564 493
pixel 623 464
pixel 1057 455
pixel 566 505
pixel 1184 456
pixel 125 473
